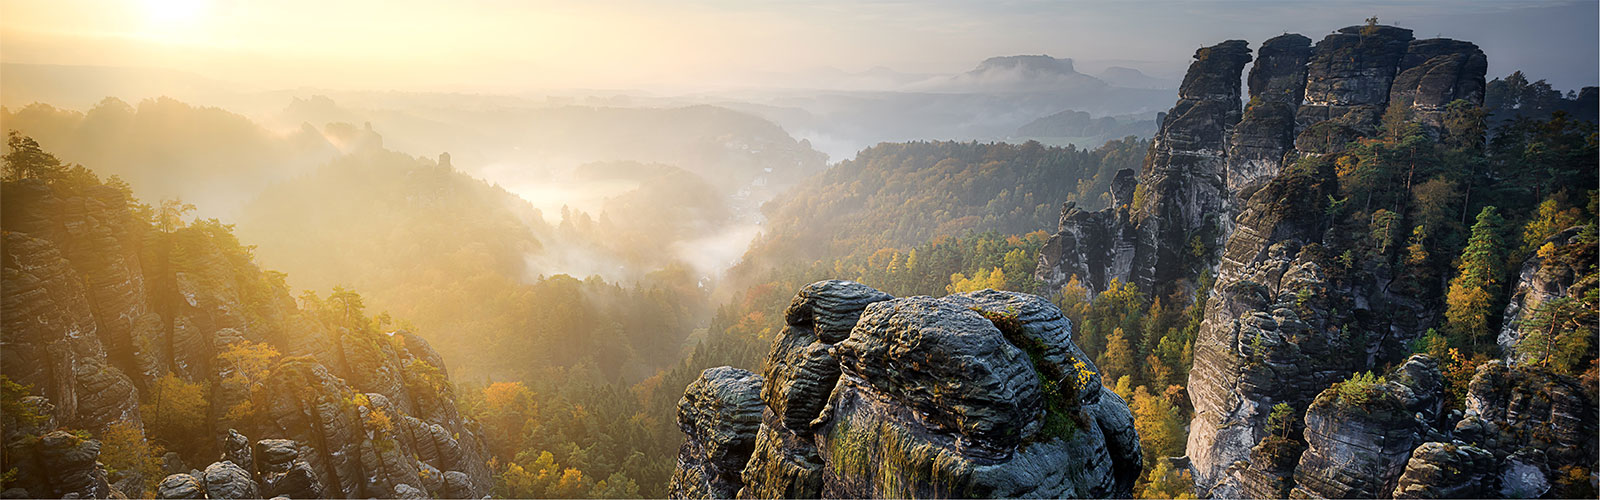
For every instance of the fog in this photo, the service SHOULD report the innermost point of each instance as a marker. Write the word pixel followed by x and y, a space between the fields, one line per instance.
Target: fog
pixel 657 129
pixel 708 45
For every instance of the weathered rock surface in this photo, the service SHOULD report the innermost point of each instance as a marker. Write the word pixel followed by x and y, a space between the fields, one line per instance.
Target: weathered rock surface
pixel 1265 134
pixel 1180 194
pixel 1515 410
pixel 936 397
pixel 181 486
pixel 227 480
pixel 1435 72
pixel 93 293
pixel 1348 79
pixel 51 341
pixel 721 412
pixel 1360 440
pixel 1539 281
pixel 801 370
pixel 1283 320
pixel 1445 470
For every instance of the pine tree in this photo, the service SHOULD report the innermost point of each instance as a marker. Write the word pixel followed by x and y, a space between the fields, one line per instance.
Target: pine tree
pixel 1472 294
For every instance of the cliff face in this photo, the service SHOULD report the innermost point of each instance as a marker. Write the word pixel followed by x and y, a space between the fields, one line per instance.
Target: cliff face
pixel 1180 196
pixel 1541 280
pixel 980 394
pixel 98 305
pixel 1279 326
pixel 1287 323
pixel 1266 132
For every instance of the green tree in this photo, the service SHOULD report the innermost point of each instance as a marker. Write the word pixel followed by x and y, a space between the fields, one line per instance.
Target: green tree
pixel 1385 230
pixel 1281 421
pixel 1557 333
pixel 26 160
pixel 1470 300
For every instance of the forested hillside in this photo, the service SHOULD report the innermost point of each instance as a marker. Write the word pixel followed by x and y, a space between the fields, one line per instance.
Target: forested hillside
pixel 897 195
pixel 139 340
pixel 168 149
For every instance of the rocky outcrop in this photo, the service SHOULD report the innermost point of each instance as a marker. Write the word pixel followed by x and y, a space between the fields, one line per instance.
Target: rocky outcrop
pixel 1435 72
pixel 95 232
pixel 1539 281
pixel 973 395
pixel 1268 335
pixel 1348 80
pixel 51 340
pixel 1446 470
pixel 283 473
pixel 721 412
pixel 1265 134
pixel 181 486
pixel 1180 194
pixel 1284 321
pixel 1360 436
pixel 93 293
pixel 1510 408
pixel 800 372
pixel 227 480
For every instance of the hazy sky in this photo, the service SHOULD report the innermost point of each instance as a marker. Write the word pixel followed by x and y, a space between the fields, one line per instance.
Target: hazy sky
pixel 511 46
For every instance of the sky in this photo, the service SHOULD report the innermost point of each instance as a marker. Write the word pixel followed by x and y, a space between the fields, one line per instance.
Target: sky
pixel 528 46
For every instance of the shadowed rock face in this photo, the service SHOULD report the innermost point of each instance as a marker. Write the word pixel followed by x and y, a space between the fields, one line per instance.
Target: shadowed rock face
pixel 928 397
pixel 1538 281
pixel 1348 79
pixel 1359 440
pixel 1283 321
pixel 1266 132
pixel 1435 72
pixel 1180 194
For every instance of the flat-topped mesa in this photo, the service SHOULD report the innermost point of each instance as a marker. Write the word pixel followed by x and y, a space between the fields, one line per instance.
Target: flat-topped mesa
pixel 1145 235
pixel 1347 85
pixel 1436 72
pixel 1265 134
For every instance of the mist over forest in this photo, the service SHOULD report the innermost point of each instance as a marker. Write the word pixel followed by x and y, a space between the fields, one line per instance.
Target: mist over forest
pixel 636 250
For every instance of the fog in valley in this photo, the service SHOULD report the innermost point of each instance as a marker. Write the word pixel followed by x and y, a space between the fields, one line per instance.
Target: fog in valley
pixel 581 205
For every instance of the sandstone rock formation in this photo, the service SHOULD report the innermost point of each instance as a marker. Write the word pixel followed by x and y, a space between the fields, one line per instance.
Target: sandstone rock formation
pixel 1181 195
pixel 95 294
pixel 1538 282
pixel 979 394
pixel 720 411
pixel 1285 322
pixel 1265 134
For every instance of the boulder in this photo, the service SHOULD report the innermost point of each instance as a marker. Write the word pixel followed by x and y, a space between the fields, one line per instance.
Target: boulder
pixel 721 412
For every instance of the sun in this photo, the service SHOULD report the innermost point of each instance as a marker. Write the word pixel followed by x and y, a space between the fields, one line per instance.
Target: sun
pixel 171 12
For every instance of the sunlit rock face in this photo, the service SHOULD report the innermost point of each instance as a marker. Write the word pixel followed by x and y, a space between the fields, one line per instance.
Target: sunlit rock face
pixel 979 394
pixel 99 303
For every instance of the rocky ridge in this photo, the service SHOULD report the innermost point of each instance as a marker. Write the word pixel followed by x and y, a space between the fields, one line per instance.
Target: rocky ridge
pixel 99 304
pixel 1286 323
pixel 979 394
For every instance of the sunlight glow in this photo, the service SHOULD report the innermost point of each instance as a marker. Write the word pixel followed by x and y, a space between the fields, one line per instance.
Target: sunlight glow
pixel 172 12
